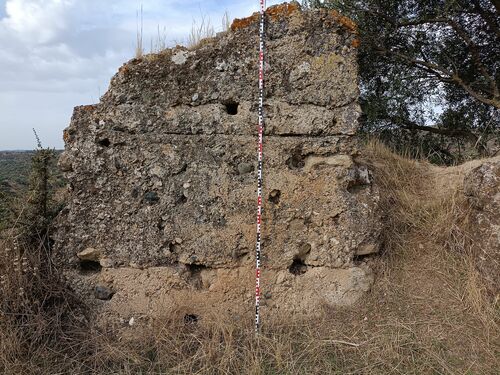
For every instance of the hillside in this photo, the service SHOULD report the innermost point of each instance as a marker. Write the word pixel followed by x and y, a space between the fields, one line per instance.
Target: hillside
pixel 14 177
pixel 14 169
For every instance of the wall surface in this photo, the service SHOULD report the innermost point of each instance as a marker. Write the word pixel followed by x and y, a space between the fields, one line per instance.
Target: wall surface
pixel 162 175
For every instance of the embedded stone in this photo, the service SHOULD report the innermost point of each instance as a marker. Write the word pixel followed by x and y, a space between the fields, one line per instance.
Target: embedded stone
pixel 103 293
pixel 90 254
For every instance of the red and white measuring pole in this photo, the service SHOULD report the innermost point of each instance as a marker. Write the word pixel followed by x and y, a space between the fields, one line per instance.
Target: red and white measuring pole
pixel 259 167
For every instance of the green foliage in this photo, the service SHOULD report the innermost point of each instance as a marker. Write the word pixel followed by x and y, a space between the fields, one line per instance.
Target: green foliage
pixel 15 179
pixel 14 174
pixel 40 210
pixel 429 66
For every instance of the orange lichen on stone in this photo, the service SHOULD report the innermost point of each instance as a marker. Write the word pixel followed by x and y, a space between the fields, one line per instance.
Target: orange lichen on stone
pixel 241 23
pixel 274 12
pixel 123 69
pixel 66 136
pixel 86 108
pixel 282 10
pixel 345 21
pixel 355 43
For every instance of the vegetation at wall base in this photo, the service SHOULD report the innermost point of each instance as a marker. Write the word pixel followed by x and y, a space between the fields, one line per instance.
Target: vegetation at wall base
pixel 40 319
pixel 426 313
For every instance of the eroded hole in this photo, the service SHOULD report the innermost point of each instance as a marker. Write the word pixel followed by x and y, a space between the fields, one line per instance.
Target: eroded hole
pixel 297 267
pixel 363 258
pixel 360 181
pixel 296 159
pixel 231 108
pixel 356 189
pixel 182 199
pixel 191 319
pixel 172 248
pixel 105 142
pixel 90 266
pixel 135 192
pixel 161 225
pixel 195 269
pixel 194 275
pixel 151 197
pixel 274 196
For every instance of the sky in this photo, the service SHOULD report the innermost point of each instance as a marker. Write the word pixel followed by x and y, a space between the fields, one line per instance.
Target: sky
pixel 58 54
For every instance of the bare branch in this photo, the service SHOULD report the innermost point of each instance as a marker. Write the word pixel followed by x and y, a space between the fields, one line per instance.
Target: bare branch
pixel 443 75
pixel 474 51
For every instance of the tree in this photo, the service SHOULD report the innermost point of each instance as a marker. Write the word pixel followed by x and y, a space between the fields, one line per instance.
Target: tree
pixel 429 70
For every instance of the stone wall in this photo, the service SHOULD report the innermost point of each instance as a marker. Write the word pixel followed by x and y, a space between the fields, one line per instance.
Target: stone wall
pixel 162 179
pixel 482 189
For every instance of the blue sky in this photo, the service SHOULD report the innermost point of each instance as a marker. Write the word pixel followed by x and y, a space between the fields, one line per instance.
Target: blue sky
pixel 57 54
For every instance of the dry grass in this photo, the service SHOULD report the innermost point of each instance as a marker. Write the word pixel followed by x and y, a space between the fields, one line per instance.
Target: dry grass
pixel 218 345
pixel 421 203
pixel 226 22
pixel 200 31
pixel 41 321
pixel 204 30
pixel 159 43
pixel 428 225
pixel 139 47
pixel 426 314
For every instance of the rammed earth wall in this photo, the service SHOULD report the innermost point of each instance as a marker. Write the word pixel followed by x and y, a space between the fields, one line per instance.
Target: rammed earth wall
pixel 162 179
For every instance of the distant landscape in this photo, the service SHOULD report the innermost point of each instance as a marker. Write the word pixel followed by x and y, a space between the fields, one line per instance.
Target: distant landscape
pixel 14 167
pixel 14 178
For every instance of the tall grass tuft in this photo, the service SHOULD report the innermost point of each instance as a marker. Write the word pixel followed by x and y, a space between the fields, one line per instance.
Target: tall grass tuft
pixel 159 42
pixel 139 48
pixel 200 31
pixel 226 21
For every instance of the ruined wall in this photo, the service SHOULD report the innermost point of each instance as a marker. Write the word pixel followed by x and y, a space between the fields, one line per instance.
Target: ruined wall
pixel 162 177
pixel 482 189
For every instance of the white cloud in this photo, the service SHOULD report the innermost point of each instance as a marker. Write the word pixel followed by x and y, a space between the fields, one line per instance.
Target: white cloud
pixel 37 21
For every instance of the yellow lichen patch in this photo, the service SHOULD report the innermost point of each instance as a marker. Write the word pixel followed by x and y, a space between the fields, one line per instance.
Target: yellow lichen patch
pixel 65 136
pixel 355 43
pixel 325 65
pixel 344 21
